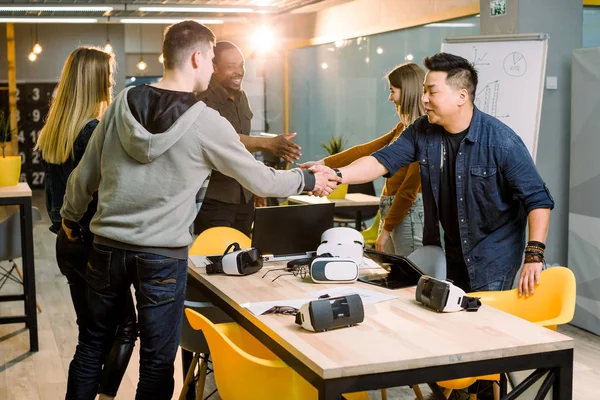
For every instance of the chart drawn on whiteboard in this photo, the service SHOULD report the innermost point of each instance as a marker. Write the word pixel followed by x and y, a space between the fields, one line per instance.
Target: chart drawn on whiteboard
pixel 515 64
pixel 477 60
pixel 486 99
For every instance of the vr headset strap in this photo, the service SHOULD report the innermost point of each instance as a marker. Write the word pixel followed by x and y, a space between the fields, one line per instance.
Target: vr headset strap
pixel 470 303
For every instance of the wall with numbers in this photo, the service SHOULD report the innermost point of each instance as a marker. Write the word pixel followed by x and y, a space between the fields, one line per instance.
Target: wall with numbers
pixel 33 102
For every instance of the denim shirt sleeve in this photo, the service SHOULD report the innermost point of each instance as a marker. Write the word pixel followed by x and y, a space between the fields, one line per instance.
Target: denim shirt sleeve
pixel 400 153
pixel 524 178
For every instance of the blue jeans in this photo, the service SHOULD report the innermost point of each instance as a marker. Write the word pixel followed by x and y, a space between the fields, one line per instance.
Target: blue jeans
pixel 506 283
pixel 159 284
pixel 72 258
pixel 407 236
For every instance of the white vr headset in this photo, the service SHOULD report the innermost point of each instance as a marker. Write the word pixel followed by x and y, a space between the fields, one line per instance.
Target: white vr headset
pixel 339 256
pixel 444 296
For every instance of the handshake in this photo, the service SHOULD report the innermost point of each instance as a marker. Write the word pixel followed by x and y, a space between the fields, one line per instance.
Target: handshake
pixel 326 180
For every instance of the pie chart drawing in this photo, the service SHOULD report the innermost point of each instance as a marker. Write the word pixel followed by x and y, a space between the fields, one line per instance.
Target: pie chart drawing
pixel 515 64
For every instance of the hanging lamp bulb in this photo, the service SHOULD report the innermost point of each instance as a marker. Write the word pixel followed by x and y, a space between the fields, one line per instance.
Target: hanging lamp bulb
pixel 161 59
pixel 37 48
pixel 142 64
pixel 32 56
pixel 108 47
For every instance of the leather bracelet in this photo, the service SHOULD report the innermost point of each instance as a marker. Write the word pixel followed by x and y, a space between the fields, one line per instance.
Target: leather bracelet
pixel 535 243
pixel 339 174
pixel 532 259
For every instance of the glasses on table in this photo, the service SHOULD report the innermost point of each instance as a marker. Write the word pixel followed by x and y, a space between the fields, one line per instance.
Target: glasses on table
pixel 296 270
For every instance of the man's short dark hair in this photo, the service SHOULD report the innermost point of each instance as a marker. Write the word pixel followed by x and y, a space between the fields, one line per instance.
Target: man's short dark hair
pixel 461 73
pixel 183 39
pixel 222 46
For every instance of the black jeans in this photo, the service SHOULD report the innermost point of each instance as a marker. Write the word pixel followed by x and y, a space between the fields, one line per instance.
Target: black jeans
pixel 72 258
pixel 159 284
pixel 216 213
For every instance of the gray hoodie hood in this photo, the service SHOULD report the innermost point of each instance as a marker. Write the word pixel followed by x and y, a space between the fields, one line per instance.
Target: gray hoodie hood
pixel 144 146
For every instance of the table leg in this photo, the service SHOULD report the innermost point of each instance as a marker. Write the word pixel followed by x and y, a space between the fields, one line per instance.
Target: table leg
pixel 437 392
pixel 563 383
pixel 329 393
pixel 29 272
pixel 358 221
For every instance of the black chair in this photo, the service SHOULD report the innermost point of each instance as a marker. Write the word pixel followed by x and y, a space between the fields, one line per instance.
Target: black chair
pixel 344 216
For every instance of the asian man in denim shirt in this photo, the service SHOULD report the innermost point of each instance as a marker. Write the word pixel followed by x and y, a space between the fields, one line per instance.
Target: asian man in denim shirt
pixel 479 181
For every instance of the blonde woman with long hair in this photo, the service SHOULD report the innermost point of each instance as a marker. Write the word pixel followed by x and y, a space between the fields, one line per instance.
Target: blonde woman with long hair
pixel 401 205
pixel 82 96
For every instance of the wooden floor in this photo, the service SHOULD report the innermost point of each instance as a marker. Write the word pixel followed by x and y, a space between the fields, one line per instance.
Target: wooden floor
pixel 42 375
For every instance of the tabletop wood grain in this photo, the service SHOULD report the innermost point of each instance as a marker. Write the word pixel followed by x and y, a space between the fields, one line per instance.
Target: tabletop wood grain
pixel 351 200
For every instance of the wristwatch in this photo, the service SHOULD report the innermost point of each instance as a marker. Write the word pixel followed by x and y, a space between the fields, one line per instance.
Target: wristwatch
pixel 338 173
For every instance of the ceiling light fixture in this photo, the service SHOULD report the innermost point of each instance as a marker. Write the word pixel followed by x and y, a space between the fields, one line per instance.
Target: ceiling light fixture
pixel 195 9
pixel 164 21
pixel 37 47
pixel 141 65
pixel 108 47
pixel 48 20
pixel 16 8
pixel 451 25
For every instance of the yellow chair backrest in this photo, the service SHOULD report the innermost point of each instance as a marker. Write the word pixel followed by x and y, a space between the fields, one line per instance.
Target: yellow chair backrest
pixel 370 234
pixel 553 301
pixel 215 241
pixel 247 370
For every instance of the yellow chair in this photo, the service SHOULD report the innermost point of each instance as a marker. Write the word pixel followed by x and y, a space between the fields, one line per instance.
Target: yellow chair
pixel 215 240
pixel 246 370
pixel 552 304
pixel 370 234
pixel 210 242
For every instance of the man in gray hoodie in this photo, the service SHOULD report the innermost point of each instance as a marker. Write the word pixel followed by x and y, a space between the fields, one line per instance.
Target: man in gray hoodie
pixel 147 159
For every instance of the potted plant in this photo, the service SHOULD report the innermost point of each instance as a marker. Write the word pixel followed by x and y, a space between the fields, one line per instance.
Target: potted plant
pixel 334 146
pixel 10 166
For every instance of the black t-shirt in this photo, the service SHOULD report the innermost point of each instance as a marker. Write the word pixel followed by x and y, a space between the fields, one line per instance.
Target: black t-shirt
pixel 456 267
pixel 157 109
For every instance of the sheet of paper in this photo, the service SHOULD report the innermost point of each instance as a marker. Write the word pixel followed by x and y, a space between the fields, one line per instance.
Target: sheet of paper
pixel 199 261
pixel 367 263
pixel 367 296
pixel 259 308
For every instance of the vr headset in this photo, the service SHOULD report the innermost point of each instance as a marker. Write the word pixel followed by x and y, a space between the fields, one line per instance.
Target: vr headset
pixel 333 270
pixel 238 262
pixel 444 296
pixel 343 242
pixel 336 312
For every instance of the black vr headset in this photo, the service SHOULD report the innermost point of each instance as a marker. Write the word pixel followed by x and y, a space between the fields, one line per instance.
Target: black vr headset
pixel 238 262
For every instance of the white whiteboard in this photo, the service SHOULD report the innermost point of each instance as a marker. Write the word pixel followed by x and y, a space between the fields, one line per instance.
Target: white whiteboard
pixel 511 73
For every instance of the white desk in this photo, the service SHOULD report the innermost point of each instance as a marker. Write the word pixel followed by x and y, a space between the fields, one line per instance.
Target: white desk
pixel 399 343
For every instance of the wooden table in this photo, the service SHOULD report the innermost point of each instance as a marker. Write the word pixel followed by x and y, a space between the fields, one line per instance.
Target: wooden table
pixel 399 343
pixel 356 200
pixel 21 195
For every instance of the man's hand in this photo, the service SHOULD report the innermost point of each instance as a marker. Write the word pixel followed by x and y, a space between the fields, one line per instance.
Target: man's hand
pixel 283 147
pixel 382 239
pixel 326 181
pixel 260 201
pixel 309 164
pixel 530 276
pixel 71 235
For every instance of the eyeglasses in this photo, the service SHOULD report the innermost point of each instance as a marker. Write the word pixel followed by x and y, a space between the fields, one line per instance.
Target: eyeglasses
pixel 284 310
pixel 298 270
